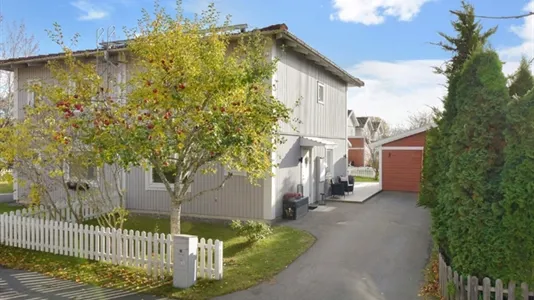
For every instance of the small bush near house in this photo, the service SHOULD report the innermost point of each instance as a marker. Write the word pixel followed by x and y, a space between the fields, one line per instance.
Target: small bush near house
pixel 252 230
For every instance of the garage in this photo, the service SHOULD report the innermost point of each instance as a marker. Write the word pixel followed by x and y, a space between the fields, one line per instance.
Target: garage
pixel 401 160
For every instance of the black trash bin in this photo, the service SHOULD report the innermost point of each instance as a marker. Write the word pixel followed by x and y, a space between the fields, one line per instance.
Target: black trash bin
pixel 295 208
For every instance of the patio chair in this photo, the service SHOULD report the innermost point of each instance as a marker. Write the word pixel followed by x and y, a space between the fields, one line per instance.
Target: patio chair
pixel 348 183
pixel 337 189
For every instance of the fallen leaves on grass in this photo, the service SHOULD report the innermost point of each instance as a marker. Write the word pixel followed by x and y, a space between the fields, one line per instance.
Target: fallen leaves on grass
pixel 78 269
pixel 430 288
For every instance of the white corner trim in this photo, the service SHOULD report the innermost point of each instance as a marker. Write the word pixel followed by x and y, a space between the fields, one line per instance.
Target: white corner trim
pixel 402 135
pixel 380 169
pixel 16 92
pixel 403 148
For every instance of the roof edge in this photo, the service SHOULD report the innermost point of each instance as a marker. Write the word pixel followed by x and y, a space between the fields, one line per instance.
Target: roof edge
pixel 273 30
pixel 350 79
pixel 402 135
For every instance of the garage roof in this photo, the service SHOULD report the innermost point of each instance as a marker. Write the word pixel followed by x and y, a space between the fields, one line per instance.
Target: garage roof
pixel 402 135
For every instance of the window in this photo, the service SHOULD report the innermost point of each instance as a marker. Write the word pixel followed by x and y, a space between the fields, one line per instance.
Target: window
pixel 320 92
pixel 168 172
pixel 153 181
pixel 81 172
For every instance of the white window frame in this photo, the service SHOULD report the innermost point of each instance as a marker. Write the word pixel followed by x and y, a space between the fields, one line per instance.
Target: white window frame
pixel 150 185
pixel 91 182
pixel 319 86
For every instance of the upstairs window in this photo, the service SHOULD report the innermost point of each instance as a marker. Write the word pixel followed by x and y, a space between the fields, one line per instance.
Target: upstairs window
pixel 320 92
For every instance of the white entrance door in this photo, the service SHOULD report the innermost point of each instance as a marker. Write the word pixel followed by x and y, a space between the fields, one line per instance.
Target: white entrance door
pixel 305 172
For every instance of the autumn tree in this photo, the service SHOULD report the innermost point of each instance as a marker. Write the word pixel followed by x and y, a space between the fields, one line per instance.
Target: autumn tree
pixel 16 42
pixel 54 148
pixel 521 81
pixel 198 98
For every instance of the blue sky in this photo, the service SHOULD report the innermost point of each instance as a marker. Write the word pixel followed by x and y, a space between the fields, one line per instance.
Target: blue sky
pixel 386 43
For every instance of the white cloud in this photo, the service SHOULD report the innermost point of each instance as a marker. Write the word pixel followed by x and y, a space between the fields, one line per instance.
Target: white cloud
pixel 375 12
pixel 395 90
pixel 526 33
pixel 90 11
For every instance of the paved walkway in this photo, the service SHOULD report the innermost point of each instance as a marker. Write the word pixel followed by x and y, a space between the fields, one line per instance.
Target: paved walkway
pixel 16 284
pixel 363 191
pixel 374 251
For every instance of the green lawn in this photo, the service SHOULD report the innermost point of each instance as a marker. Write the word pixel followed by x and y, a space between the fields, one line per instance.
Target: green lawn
pixel 4 207
pixel 245 265
pixel 6 187
pixel 364 179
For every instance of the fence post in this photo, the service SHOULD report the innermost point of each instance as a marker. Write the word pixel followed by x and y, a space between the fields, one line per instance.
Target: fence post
pixel 185 249
pixel 218 260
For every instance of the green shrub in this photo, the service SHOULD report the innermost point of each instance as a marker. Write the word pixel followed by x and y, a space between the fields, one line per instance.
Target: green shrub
pixel 252 230
pixel 472 216
pixel 518 204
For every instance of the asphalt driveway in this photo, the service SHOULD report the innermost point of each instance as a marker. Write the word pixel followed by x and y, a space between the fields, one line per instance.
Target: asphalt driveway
pixel 371 251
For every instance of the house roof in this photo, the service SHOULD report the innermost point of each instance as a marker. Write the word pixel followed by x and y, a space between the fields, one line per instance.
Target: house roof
pixel 402 135
pixel 362 120
pixel 352 117
pixel 375 125
pixel 280 31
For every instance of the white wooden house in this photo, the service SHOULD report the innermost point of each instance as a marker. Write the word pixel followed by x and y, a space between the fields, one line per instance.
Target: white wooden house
pixel 317 146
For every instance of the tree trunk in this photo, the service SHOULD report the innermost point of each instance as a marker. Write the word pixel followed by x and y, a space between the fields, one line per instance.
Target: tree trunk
pixel 176 210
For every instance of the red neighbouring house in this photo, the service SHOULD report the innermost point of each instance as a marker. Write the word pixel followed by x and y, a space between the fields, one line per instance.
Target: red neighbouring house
pixel 357 151
pixel 401 160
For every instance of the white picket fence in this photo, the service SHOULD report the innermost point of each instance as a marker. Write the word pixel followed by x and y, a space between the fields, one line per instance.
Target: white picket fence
pixel 362 172
pixel 64 213
pixel 151 252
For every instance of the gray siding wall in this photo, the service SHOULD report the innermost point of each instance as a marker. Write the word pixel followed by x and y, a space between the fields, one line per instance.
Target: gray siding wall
pixel 296 79
pixel 238 199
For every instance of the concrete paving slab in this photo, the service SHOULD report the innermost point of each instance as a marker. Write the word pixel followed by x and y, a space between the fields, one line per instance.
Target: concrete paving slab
pixel 363 191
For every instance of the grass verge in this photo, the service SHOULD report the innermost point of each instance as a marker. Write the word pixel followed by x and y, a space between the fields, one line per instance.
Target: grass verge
pixel 4 207
pixel 430 288
pixel 364 179
pixel 245 264
pixel 6 187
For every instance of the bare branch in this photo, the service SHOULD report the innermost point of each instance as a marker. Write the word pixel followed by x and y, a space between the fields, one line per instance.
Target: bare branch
pixel 496 17
pixel 220 186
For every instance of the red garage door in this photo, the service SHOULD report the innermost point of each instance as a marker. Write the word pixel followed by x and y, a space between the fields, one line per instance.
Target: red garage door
pixel 401 170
